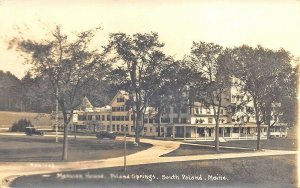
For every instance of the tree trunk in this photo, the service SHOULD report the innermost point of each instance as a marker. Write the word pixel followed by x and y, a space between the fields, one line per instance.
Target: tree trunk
pixel 216 117
pixel 179 122
pixel 158 124
pixel 139 123
pixel 268 121
pixel 75 132
pixel 258 136
pixel 65 140
pixel 257 124
pixel 217 142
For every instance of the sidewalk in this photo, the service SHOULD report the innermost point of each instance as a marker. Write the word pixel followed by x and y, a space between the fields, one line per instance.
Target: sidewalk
pixel 9 170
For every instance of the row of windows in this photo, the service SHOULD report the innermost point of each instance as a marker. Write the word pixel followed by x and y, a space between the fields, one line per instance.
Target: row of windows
pixel 120 109
pixel 240 97
pixel 208 111
pixel 175 120
pixel 245 119
pixel 126 128
pixel 120 99
pixel 209 120
pixel 120 118
pixel 90 117
pixel 147 120
pixel 150 129
pixel 120 128
pixel 199 121
pixel 126 118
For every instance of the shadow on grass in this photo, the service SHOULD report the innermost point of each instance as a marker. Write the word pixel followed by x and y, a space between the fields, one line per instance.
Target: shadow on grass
pixel 185 150
pixel 43 149
pixel 272 171
pixel 274 143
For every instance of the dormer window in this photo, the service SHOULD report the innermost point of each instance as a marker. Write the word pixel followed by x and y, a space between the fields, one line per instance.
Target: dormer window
pixel 208 111
pixel 120 99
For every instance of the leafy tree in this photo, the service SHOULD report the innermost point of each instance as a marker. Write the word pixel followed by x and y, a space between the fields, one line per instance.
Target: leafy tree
pixel 36 94
pixel 10 92
pixel 263 74
pixel 280 86
pixel 69 66
pixel 142 60
pixel 289 102
pixel 210 60
pixel 178 83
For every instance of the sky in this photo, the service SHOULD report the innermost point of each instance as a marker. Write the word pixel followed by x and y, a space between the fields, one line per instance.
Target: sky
pixel 273 24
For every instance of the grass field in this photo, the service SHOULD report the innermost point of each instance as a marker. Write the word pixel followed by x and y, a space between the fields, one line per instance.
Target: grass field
pixel 276 143
pixel 39 148
pixel 288 143
pixel 185 150
pixel 37 119
pixel 265 172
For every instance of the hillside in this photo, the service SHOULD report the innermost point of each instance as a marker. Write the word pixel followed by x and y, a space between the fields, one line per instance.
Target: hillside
pixel 40 120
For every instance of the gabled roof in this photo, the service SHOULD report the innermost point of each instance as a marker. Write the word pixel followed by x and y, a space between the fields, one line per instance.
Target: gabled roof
pixel 85 104
pixel 123 93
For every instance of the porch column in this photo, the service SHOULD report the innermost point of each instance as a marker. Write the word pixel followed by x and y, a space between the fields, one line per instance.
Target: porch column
pixel 165 130
pixel 280 132
pixel 184 131
pixel 223 131
pixel 204 133
pixel 286 131
pixel 173 131
pixel 231 129
pixel 239 132
pixel 196 132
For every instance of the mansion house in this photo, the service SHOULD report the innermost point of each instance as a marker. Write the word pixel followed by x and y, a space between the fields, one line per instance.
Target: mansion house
pixel 193 122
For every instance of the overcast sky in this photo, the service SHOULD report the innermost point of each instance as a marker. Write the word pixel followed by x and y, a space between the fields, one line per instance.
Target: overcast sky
pixel 273 24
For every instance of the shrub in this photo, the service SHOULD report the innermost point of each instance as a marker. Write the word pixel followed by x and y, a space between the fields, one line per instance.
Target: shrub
pixel 20 125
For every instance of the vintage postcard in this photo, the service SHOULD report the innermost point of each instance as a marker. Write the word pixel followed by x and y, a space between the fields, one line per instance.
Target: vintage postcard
pixel 112 93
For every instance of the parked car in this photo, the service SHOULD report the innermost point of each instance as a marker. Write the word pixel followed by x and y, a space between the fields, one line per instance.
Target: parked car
pixel 33 131
pixel 106 134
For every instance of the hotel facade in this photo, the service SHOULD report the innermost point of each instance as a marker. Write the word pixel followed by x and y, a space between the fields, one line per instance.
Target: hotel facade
pixel 194 122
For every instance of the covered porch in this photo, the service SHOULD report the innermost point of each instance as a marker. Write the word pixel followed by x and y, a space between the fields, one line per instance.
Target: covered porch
pixel 207 131
pixel 278 130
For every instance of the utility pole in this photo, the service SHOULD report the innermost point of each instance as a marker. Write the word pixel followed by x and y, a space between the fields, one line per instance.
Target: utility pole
pixel 56 127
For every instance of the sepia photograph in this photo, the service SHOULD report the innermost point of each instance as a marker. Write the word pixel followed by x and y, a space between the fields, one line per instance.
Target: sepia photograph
pixel 128 93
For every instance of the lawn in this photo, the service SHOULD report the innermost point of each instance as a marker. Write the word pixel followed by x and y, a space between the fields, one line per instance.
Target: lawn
pixel 37 119
pixel 275 143
pixel 207 147
pixel 185 150
pixel 39 148
pixel 274 171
